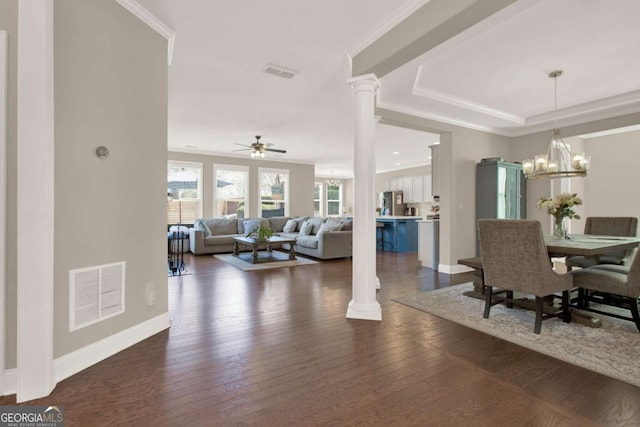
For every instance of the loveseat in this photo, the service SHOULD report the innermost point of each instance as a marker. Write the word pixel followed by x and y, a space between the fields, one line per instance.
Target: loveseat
pixel 324 238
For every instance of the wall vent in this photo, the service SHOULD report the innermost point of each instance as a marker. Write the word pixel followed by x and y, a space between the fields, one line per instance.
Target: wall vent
pixel 95 294
pixel 279 71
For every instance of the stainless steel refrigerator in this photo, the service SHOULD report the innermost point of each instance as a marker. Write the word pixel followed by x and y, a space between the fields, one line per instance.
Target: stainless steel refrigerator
pixel 391 203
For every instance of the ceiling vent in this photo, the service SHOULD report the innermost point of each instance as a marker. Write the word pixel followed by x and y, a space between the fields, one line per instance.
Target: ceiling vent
pixel 279 71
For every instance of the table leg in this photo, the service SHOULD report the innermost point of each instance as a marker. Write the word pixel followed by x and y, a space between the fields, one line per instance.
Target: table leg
pixel 255 254
pixel 236 251
pixel 292 251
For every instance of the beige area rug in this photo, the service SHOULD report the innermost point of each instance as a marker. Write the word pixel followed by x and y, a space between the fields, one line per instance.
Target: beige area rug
pixel 278 260
pixel 612 350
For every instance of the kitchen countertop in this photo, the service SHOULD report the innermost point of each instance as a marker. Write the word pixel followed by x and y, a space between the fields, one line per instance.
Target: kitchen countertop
pixel 382 217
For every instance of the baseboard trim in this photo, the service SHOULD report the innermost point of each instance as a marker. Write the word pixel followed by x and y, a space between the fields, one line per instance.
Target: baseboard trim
pixel 76 361
pixel 453 269
pixel 10 382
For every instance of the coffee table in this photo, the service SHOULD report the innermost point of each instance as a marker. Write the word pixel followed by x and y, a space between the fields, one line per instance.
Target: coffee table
pixel 262 244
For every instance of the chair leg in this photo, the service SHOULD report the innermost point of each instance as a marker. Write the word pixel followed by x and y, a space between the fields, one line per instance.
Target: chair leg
pixel 488 297
pixel 581 297
pixel 538 325
pixel 566 314
pixel 633 306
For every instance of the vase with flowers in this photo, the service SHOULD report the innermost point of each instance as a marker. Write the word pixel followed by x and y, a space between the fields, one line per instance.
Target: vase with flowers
pixel 561 207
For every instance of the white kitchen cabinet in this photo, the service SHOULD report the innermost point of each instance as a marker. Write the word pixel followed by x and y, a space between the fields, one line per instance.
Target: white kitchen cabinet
pixel 417 193
pixel 426 189
pixel 407 189
pixel 435 170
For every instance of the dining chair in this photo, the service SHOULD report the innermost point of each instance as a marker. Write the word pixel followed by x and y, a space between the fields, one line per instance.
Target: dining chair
pixel 515 258
pixel 606 226
pixel 616 285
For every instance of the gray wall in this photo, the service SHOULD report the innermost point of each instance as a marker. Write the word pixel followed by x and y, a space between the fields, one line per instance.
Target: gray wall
pixel 9 23
pixel 614 174
pixel 301 181
pixel 110 89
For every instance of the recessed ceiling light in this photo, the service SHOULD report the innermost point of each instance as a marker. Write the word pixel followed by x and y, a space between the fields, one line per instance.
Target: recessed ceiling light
pixel 191 146
pixel 396 152
pixel 397 164
pixel 429 157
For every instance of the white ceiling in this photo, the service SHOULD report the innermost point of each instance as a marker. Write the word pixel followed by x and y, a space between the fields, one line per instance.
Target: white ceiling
pixel 491 77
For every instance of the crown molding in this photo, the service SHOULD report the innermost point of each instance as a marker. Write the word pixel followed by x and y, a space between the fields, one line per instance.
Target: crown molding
pixel 152 21
pixel 614 104
pixel 439 118
pixel 435 95
pixel 392 20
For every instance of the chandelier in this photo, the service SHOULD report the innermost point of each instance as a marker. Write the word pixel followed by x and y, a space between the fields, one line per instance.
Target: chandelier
pixel 558 161
pixel 334 182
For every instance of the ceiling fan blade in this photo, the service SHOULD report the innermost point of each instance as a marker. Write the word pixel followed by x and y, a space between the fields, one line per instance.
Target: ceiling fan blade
pixel 243 149
pixel 243 145
pixel 275 150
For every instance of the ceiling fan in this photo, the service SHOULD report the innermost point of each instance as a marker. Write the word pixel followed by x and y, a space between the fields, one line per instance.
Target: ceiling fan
pixel 258 148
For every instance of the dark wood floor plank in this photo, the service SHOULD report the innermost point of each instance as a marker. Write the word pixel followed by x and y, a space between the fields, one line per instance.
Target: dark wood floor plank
pixel 274 348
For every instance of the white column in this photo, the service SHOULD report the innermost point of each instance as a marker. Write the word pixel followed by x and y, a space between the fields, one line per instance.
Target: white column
pixel 363 304
pixel 35 373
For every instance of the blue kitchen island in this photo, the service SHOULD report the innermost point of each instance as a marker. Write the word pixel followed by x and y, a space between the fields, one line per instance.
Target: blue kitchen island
pixel 400 233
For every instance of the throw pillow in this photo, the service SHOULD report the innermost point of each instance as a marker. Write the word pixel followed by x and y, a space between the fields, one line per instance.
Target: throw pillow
pixel 327 226
pixel 347 225
pixel 198 224
pixel 290 226
pixel 306 228
pixel 249 224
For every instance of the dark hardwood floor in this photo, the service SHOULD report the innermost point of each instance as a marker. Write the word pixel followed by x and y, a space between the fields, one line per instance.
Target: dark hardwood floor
pixel 273 348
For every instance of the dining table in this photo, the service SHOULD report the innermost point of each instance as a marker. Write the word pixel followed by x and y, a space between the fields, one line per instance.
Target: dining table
pixel 575 244
pixel 588 245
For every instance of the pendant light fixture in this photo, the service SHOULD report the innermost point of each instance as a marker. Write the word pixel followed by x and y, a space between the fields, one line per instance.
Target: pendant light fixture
pixel 558 161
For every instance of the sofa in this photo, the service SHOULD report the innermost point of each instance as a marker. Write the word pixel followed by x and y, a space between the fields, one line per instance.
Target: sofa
pixel 318 237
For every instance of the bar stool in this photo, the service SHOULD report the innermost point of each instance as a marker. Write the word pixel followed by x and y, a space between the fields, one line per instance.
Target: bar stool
pixel 380 226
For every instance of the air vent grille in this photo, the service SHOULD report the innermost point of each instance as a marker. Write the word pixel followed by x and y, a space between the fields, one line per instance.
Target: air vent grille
pixel 95 294
pixel 279 71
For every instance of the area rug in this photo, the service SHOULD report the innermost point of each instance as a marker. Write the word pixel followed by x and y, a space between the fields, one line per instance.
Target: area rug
pixel 612 350
pixel 243 261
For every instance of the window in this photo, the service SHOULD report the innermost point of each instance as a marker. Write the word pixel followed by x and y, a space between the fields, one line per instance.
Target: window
pixel 184 192
pixel 274 192
pixel 318 199
pixel 327 199
pixel 334 200
pixel 231 191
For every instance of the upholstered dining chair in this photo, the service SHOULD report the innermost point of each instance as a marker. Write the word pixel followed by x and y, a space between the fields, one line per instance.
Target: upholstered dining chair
pixel 606 226
pixel 608 283
pixel 515 258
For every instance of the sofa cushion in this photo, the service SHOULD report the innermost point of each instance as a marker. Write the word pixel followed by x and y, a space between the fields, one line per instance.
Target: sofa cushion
pixel 306 229
pixel 347 225
pixel 199 224
pixel 307 241
pixel 222 226
pixel 219 240
pixel 290 226
pixel 317 222
pixel 277 223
